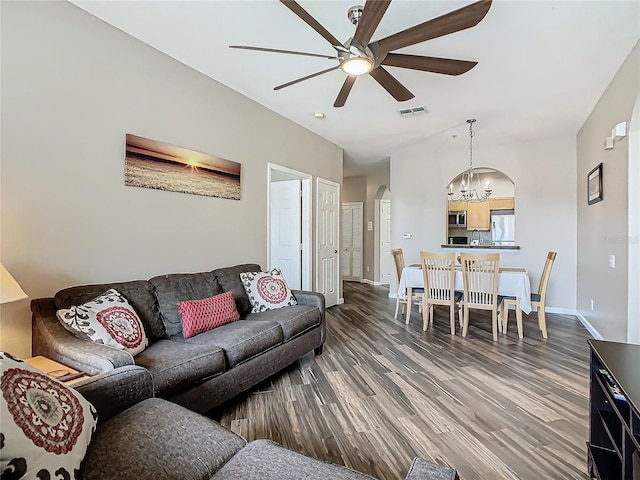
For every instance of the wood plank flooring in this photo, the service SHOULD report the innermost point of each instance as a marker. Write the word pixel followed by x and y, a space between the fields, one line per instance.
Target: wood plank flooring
pixel 383 392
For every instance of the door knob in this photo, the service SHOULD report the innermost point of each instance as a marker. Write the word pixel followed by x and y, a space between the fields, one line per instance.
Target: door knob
pixel 335 251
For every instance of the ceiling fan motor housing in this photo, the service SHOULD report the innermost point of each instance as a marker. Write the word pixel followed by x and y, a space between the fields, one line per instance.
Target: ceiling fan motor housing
pixel 354 14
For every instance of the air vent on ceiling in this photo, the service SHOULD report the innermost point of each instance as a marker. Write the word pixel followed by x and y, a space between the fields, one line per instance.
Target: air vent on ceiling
pixel 412 112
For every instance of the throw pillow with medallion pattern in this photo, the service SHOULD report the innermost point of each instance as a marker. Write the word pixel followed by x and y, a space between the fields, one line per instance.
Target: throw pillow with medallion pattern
pixel 46 426
pixel 267 290
pixel 108 319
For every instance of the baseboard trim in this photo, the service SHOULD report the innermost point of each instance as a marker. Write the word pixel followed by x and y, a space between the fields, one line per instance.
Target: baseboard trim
pixel 370 282
pixel 561 311
pixel 594 333
pixel 340 301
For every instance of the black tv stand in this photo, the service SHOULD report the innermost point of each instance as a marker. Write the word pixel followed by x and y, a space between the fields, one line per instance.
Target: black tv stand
pixel 614 413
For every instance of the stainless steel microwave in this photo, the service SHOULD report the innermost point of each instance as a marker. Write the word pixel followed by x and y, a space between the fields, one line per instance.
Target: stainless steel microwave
pixel 457 219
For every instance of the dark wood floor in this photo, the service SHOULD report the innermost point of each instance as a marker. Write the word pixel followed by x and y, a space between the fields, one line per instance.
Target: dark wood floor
pixel 383 392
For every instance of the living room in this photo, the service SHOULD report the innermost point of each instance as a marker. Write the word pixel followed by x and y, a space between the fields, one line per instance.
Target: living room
pixel 73 86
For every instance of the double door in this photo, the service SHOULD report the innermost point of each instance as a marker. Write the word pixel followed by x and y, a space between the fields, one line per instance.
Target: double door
pixel 352 214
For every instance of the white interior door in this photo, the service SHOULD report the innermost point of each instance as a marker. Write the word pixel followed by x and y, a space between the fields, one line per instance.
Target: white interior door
pixel 352 241
pixel 327 211
pixel 387 274
pixel 286 230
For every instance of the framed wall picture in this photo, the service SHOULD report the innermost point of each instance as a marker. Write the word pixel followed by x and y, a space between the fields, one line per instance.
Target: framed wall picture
pixel 594 185
pixel 153 164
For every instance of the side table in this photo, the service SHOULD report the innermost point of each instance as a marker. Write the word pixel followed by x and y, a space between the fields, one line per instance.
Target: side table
pixel 56 370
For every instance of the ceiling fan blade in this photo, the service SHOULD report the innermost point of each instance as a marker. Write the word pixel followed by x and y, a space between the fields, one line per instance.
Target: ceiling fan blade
pixel 461 19
pixel 344 91
pixel 446 66
pixel 275 50
pixel 391 85
pixel 288 84
pixel 309 20
pixel 371 15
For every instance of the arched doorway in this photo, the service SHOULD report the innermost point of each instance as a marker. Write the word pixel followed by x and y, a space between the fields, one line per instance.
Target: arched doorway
pixel 383 266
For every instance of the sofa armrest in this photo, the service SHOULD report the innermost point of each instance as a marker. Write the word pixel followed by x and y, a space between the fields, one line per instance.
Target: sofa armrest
pixel 114 391
pixel 422 470
pixel 314 299
pixel 53 341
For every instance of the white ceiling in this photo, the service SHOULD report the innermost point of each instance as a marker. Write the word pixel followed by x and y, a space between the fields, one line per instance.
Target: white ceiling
pixel 542 65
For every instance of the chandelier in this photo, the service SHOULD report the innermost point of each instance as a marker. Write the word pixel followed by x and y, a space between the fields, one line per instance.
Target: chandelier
pixel 471 189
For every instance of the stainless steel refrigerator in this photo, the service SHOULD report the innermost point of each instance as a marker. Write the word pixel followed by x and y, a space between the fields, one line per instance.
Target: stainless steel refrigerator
pixel 503 227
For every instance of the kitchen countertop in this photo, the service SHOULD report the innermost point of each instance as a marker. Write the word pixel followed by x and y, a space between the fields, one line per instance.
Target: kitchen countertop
pixel 486 247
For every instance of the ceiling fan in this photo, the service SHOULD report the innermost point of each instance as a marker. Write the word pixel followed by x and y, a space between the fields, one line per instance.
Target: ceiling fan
pixel 358 57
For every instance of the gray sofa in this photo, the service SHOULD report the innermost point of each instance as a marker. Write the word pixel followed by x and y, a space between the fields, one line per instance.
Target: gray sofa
pixel 205 370
pixel 140 437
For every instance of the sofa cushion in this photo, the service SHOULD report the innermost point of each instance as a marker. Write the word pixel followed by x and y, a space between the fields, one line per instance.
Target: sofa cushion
pixel 46 426
pixel 177 287
pixel 241 340
pixel 266 460
pixel 160 440
pixel 421 469
pixel 178 365
pixel 139 293
pixel 293 320
pixel 267 290
pixel 109 320
pixel 201 315
pixel 229 278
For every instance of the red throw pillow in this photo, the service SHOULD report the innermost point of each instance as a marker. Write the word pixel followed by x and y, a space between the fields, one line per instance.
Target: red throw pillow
pixel 201 315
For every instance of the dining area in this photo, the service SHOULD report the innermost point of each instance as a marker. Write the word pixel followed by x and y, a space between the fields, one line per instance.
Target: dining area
pixel 468 282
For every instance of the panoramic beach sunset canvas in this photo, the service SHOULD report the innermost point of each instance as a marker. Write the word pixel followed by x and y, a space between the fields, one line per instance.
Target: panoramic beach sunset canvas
pixel 153 164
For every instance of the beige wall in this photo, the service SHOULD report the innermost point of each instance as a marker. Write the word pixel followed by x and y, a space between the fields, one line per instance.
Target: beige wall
pixel 603 227
pixel 72 87
pixel 544 174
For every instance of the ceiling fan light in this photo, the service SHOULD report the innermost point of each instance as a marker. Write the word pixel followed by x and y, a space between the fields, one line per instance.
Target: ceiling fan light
pixel 356 66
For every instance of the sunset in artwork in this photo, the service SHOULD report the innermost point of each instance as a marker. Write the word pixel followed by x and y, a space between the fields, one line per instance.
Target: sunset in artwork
pixel 157 165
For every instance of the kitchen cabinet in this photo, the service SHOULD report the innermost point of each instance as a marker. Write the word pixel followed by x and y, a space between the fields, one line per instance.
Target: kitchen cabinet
pixel 478 215
pixel 506 203
pixel 457 205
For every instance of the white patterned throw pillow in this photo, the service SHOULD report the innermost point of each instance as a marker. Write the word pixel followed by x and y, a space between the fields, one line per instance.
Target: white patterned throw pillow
pixel 107 319
pixel 46 426
pixel 267 290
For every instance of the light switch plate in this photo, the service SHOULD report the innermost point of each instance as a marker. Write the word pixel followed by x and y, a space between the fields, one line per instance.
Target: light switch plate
pixel 612 261
pixel 370 226
pixel 407 235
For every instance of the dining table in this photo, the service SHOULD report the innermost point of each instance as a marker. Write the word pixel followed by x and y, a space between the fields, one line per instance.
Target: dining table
pixel 512 282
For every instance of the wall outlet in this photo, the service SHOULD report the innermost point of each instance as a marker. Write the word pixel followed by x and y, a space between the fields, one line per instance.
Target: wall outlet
pixel 592 304
pixel 407 235
pixel 370 226
pixel 367 268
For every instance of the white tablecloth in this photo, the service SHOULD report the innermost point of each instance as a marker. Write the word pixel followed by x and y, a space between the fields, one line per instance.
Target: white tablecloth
pixel 512 282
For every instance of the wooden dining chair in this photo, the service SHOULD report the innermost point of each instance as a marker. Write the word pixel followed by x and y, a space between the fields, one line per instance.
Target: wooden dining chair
pixel 412 295
pixel 480 279
pixel 439 274
pixel 538 300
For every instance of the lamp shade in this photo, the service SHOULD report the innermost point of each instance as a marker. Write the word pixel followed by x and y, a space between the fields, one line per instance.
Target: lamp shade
pixel 10 291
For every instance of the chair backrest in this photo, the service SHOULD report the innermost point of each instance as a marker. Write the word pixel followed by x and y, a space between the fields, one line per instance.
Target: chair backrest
pixel 480 278
pixel 546 272
pixel 398 259
pixel 438 271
